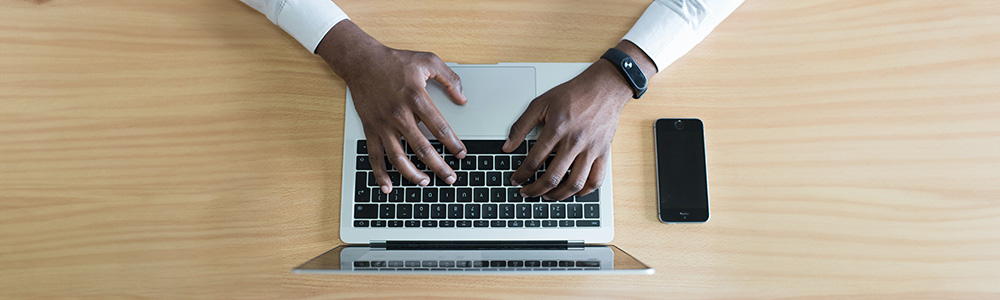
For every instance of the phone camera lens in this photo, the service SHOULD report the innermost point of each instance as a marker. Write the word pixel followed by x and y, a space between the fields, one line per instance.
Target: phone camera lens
pixel 679 125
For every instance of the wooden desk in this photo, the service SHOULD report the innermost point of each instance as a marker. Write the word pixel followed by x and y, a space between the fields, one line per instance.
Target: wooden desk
pixel 191 149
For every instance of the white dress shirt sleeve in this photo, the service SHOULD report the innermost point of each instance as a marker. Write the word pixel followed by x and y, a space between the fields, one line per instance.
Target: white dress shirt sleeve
pixel 307 21
pixel 670 28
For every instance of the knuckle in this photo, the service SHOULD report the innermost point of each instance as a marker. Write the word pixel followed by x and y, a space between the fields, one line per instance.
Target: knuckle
pixel 398 112
pixel 551 181
pixel 398 159
pixel 425 151
pixel 578 185
pixel 442 129
pixel 577 137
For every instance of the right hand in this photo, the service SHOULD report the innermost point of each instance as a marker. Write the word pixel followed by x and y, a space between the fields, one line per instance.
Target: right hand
pixel 389 90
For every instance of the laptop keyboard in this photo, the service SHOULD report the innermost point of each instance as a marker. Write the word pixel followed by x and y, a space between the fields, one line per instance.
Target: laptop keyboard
pixel 477 265
pixel 481 197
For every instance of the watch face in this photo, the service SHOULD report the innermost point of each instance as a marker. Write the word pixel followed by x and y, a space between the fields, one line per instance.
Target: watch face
pixel 634 74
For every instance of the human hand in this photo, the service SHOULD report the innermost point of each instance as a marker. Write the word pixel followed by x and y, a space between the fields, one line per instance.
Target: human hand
pixel 389 91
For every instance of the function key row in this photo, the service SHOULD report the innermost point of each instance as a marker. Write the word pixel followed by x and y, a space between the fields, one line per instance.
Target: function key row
pixel 477 223
pixel 477 264
pixel 471 147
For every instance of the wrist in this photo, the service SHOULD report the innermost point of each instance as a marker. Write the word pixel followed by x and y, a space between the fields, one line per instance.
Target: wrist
pixel 349 50
pixel 612 81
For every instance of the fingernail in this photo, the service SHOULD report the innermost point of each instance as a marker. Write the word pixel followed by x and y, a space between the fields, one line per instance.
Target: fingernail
pixel 546 198
pixel 506 144
pixel 461 154
pixel 386 189
pixel 523 195
pixel 450 179
pixel 424 182
pixel 515 183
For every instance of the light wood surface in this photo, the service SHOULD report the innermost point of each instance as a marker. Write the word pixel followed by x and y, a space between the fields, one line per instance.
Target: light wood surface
pixel 191 149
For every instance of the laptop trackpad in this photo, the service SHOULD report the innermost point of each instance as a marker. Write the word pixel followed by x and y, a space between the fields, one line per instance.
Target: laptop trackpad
pixel 497 97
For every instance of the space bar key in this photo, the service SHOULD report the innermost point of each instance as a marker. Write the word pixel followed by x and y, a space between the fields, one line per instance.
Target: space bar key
pixel 484 146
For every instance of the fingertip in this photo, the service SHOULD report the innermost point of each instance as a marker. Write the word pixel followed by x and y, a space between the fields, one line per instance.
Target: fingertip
pixel 424 182
pixel 461 154
pixel 386 189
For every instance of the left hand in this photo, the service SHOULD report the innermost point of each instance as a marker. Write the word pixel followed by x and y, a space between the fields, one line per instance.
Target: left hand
pixel 578 120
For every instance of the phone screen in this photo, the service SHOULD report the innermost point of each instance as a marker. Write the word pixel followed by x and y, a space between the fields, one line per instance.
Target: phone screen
pixel 682 180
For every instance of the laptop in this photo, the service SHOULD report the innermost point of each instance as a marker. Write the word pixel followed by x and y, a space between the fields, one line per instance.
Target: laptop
pixel 480 223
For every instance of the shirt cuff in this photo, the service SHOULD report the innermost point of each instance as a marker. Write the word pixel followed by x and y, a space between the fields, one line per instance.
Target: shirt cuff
pixel 307 21
pixel 668 29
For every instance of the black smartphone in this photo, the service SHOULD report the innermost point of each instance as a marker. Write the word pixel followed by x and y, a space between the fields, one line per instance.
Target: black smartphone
pixel 681 170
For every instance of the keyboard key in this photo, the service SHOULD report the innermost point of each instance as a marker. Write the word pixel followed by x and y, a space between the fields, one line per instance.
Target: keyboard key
pixel 591 211
pixel 588 264
pixel 447 264
pixel 515 263
pixel 446 194
pixel 506 177
pixel 461 178
pixel 557 211
pixel 566 223
pixel 394 177
pixel 574 211
pixel 495 179
pixel 532 223
pixel 540 211
pixel 481 195
pixel 378 223
pixel 514 195
pixel 371 179
pixel 516 161
pixel 468 163
pixel 438 211
pixel 430 194
pixel 361 264
pixel 447 223
pixel 506 211
pixel 404 211
pixel 438 147
pixel 463 264
pixel 396 195
pixel 412 223
pixel 361 223
pixel 588 223
pixel 463 223
pixel 480 223
pixel 366 211
pixel 387 211
pixel 485 163
pixel 501 162
pixel 430 223
pixel 388 164
pixel 515 223
pixel 550 223
pixel 532 263
pixel 472 211
pixel 566 263
pixel 484 146
pixel 396 223
pixel 453 162
pixel 463 195
pixel 362 147
pixel 498 223
pixel 377 195
pixel 523 211
pixel 455 211
pixel 498 195
pixel 363 163
pixel 550 263
pixel 592 197
pixel 362 195
pixel 477 178
pixel 489 211
pixel 411 264
pixel 413 195
pixel 480 263
pixel 418 163
pixel 378 264
pixel 421 211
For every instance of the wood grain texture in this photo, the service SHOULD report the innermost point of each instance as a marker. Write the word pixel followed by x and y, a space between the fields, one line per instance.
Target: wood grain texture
pixel 191 149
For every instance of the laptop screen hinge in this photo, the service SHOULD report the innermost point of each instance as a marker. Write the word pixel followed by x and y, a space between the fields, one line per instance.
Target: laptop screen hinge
pixel 475 245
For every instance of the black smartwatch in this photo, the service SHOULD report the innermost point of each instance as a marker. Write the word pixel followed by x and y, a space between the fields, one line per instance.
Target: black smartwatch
pixel 629 69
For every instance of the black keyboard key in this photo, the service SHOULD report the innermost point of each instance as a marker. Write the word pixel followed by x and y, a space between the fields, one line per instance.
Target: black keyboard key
pixel 362 195
pixel 396 195
pixel 413 195
pixel 404 211
pixel 395 223
pixel 514 195
pixel 540 211
pixel 412 223
pixel 378 223
pixel 532 223
pixel 592 197
pixel 461 178
pixel 377 195
pixel 438 211
pixel 498 264
pixel 498 195
pixel 363 163
pixel 418 163
pixel 501 162
pixel 485 162
pixel 506 178
pixel 455 211
pixel 361 264
pixel 532 199
pixel 472 211
pixel 453 162
pixel 362 147
pixel 447 264
pixel 522 211
pixel 587 264
pixel 366 211
pixel 481 223
pixel 498 223
pixel 566 223
pixel 550 263
pixel 463 223
pixel 480 264
pixel 361 223
pixel 477 178
pixel 489 211
pixel 557 211
pixel 438 147
pixel 411 264
pixel 516 161
pixel 388 164
pixel 574 211
pixel 395 178
pixel 550 223
pixel 468 163
pixel 495 179
pixel 387 211
pixel 371 179
pixel 566 263
pixel 446 195
pixel 591 211
pixel 515 263
pixel 532 263
pixel 430 194
pixel 407 182
pixel 484 146
pixel 421 211
pixel 463 195
pixel 430 224
pixel 447 223
pixel 463 264
pixel 481 195
pixel 515 223
pixel 506 211
pixel 588 223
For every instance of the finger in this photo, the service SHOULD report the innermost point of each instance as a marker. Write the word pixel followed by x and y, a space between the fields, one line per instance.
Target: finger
pixel 596 177
pixel 398 159
pixel 553 175
pixel 448 79
pixel 577 179
pixel 524 124
pixel 536 156
pixel 375 156
pixel 426 153
pixel 431 116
